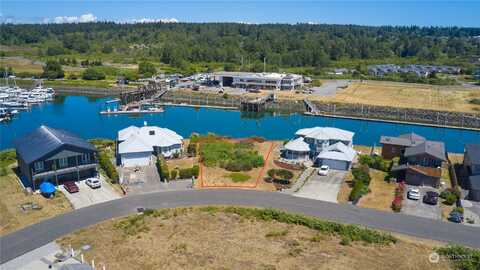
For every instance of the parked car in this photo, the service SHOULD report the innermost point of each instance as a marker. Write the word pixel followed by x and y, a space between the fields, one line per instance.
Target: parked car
pixel 93 182
pixel 413 194
pixel 71 187
pixel 456 217
pixel 431 197
pixel 323 170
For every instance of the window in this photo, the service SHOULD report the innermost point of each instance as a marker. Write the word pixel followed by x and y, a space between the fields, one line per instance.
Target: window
pixel 84 158
pixel 38 166
pixel 63 162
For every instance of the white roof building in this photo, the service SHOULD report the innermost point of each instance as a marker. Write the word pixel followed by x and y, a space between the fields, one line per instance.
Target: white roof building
pixel 297 145
pixel 137 144
pixel 326 133
pixel 338 151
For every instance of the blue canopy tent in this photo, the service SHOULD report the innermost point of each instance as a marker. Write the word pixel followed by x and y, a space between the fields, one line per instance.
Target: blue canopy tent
pixel 47 188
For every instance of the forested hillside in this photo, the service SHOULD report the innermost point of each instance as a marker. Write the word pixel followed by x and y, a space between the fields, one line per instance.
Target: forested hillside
pixel 283 45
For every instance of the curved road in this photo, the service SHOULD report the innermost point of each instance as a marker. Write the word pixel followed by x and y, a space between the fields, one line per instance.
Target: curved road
pixel 37 235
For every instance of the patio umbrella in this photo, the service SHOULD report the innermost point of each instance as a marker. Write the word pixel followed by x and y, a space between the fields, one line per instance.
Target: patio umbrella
pixel 47 188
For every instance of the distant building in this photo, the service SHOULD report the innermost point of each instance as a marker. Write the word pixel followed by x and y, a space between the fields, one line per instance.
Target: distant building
pixel 136 145
pixel 419 70
pixel 322 145
pixel 53 155
pixel 420 159
pixel 267 81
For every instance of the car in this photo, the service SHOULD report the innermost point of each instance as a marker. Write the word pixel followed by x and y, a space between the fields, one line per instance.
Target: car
pixel 323 170
pixel 413 194
pixel 456 217
pixel 71 187
pixel 431 197
pixel 93 182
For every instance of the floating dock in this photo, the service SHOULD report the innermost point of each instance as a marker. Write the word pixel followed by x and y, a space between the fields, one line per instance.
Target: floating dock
pixel 159 110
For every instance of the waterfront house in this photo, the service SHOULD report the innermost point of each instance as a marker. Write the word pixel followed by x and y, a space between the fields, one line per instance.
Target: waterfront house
pixel 395 146
pixel 53 155
pixel 471 163
pixel 323 146
pixel 471 160
pixel 136 145
pixel 420 159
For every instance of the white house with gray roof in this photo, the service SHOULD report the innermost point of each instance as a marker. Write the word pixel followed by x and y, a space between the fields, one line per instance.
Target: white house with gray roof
pixel 136 145
pixel 322 145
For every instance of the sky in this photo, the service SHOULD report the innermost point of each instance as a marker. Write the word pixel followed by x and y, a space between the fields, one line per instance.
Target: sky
pixel 403 12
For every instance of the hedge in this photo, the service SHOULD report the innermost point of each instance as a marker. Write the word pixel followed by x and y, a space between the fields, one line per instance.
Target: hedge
pixel 107 165
pixel 361 180
pixel 162 168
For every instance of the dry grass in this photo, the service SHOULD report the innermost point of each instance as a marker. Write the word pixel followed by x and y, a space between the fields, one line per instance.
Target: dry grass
pixel 20 64
pixel 193 239
pixel 12 218
pixel 381 192
pixel 443 98
pixel 182 163
pixel 346 188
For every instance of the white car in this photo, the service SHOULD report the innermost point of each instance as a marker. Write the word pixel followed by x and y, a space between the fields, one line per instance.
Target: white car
pixel 413 194
pixel 323 170
pixel 93 182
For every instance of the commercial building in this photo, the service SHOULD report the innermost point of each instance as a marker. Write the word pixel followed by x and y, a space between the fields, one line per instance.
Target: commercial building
pixel 53 155
pixel 136 145
pixel 267 81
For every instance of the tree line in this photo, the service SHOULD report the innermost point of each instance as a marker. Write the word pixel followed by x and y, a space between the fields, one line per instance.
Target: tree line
pixel 283 45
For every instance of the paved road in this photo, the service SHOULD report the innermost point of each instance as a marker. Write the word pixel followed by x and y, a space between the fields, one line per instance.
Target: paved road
pixel 22 241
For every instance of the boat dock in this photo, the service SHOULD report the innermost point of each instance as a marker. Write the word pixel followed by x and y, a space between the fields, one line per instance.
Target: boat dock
pixel 311 108
pixel 115 112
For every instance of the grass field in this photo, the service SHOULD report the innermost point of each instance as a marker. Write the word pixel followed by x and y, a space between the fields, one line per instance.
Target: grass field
pixel 12 218
pixel 443 98
pixel 208 238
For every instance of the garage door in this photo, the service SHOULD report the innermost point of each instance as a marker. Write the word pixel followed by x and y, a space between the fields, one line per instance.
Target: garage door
pixel 136 159
pixel 335 164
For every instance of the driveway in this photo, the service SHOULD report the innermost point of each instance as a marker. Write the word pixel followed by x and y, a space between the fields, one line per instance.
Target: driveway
pixel 37 235
pixel 324 188
pixel 420 209
pixel 88 196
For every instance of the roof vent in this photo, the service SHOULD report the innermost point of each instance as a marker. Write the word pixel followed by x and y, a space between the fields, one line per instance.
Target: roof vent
pixel 151 132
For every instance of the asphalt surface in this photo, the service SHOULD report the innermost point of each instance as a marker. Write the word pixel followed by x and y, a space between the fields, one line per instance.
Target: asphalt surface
pixel 37 235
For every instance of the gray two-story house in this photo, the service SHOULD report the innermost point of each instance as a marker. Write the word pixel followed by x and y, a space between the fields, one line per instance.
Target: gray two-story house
pixel 471 162
pixel 53 155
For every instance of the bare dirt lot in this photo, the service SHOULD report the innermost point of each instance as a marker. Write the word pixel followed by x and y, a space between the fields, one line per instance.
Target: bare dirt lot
pixel 13 218
pixel 199 239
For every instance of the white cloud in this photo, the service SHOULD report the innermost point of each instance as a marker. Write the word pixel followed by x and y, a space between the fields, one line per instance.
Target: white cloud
pixel 74 19
pixel 150 20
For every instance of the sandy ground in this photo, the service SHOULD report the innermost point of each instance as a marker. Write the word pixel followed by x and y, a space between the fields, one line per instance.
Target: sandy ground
pixel 13 218
pixel 192 239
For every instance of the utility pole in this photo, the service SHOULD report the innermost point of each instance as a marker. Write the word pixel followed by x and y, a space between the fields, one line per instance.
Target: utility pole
pixel 264 64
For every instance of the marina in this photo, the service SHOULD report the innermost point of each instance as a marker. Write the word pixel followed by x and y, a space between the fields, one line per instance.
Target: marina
pixel 14 99
pixel 80 114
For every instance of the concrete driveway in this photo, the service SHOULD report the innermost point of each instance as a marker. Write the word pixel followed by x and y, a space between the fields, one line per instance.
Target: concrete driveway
pixel 420 209
pixel 88 196
pixel 324 188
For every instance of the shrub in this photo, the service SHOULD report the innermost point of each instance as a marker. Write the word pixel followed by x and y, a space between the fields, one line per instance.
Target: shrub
pixel 52 70
pixel 192 149
pixel 449 196
pixel 375 162
pixel 93 73
pixel 462 257
pixel 173 174
pixel 162 168
pixel 239 177
pixel 280 174
pixel 361 180
pixel 107 166
pixel 459 210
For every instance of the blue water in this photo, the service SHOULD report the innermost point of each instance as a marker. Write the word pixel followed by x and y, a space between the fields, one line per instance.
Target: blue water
pixel 80 115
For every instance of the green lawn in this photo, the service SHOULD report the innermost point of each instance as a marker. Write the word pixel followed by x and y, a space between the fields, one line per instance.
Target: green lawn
pixel 238 177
